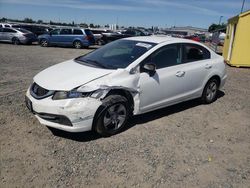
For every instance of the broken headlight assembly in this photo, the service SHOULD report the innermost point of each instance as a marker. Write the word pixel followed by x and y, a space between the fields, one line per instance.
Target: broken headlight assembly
pixel 58 95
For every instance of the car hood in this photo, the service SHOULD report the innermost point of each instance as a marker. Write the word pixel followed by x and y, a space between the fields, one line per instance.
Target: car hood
pixel 68 75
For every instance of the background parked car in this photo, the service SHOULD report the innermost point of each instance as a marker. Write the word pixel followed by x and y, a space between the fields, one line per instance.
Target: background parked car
pixel 193 37
pixel 98 34
pixel 75 37
pixel 123 34
pixel 17 36
pixel 36 29
pixel 2 25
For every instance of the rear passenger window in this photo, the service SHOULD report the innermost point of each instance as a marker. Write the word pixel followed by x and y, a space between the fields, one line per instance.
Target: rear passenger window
pixel 7 30
pixel 77 32
pixel 66 32
pixel 194 52
pixel 88 32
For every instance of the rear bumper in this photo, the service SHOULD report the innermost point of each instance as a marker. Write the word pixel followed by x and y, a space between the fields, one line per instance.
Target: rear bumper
pixel 28 40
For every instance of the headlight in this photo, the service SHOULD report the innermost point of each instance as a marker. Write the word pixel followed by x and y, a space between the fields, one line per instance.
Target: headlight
pixel 78 94
pixel 67 95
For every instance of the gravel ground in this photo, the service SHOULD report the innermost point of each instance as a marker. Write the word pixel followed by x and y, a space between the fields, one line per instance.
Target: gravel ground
pixel 186 145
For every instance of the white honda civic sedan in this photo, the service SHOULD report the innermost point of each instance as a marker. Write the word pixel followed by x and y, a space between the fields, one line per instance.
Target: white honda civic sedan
pixel 101 90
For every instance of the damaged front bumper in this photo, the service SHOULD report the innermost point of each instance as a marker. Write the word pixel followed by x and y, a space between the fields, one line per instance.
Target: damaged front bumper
pixel 72 115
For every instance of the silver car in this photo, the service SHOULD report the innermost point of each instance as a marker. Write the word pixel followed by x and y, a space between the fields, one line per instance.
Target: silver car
pixel 17 36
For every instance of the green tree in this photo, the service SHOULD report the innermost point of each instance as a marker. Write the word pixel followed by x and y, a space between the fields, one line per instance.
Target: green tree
pixel 39 21
pixel 28 20
pixel 214 27
pixel 83 25
pixel 3 19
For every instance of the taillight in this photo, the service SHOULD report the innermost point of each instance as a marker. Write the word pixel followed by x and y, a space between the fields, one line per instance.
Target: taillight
pixel 88 37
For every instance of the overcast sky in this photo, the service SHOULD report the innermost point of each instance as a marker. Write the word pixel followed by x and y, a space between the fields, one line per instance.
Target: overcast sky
pixel 147 13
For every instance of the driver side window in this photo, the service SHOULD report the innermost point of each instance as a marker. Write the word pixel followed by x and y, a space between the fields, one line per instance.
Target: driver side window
pixel 166 56
pixel 55 32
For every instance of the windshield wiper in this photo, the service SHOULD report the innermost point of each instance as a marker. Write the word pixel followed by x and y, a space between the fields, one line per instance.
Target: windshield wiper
pixel 95 63
pixel 91 62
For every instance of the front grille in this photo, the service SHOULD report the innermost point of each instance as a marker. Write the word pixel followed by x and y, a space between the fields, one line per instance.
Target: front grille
pixel 39 92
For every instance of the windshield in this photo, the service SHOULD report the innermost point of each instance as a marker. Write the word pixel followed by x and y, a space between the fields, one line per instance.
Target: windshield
pixel 118 54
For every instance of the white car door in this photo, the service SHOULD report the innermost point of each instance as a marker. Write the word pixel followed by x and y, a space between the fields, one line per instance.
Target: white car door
pixel 178 77
pixel 197 65
pixel 164 85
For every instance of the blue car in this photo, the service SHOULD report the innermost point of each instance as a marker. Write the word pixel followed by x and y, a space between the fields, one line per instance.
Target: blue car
pixel 76 37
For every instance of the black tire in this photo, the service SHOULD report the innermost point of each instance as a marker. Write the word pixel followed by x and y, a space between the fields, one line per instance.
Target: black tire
pixel 99 42
pixel 15 41
pixel 210 91
pixel 44 43
pixel 115 104
pixel 77 44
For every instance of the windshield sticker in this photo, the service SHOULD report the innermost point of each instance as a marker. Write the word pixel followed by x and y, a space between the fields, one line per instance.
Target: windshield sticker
pixel 144 45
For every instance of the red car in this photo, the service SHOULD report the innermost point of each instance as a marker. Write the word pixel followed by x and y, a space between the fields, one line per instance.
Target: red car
pixel 194 38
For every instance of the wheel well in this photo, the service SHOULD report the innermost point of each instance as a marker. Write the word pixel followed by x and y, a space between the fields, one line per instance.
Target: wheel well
pixel 77 40
pixel 123 93
pixel 42 39
pixel 217 78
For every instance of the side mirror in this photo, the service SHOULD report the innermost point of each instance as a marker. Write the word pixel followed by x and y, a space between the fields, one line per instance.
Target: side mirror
pixel 150 68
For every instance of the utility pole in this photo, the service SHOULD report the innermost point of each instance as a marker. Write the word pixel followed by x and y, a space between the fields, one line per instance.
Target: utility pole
pixel 243 3
pixel 216 47
pixel 220 19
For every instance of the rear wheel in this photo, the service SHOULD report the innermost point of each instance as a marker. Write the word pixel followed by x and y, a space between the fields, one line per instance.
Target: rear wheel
pixel 77 44
pixel 15 41
pixel 44 43
pixel 112 115
pixel 210 91
pixel 99 42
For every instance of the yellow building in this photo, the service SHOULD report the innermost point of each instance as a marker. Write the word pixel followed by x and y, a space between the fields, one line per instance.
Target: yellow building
pixel 236 49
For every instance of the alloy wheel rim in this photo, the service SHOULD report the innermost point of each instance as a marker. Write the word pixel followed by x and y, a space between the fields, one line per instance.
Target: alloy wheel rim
pixel 78 45
pixel 44 43
pixel 114 117
pixel 211 91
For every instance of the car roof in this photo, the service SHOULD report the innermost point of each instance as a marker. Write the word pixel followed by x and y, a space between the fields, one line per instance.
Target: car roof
pixel 160 39
pixel 72 28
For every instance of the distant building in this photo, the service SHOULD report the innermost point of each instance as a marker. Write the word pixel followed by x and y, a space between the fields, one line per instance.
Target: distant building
pixel 236 50
pixel 187 31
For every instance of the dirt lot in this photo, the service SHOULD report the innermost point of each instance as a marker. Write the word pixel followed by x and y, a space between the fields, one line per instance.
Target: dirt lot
pixel 186 145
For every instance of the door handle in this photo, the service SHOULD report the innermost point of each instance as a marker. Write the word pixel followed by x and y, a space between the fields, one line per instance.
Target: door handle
pixel 180 74
pixel 207 66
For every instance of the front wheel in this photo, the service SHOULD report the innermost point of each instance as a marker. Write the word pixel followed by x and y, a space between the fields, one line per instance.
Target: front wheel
pixel 210 91
pixel 44 43
pixel 112 115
